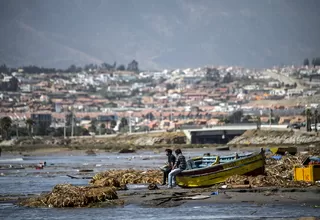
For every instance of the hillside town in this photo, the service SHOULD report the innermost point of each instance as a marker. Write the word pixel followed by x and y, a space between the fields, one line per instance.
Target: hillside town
pixel 103 101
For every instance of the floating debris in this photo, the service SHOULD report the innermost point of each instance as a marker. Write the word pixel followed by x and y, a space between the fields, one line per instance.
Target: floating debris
pixel 90 152
pixel 67 195
pixel 153 186
pixel 127 150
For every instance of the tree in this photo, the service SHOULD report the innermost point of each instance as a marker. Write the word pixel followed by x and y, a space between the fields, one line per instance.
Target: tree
pixel 29 123
pixel 93 125
pixel 11 85
pixel 107 66
pixel 170 86
pixel 236 117
pixel 123 126
pixel 69 118
pixel 180 103
pixel 4 69
pixel 121 67
pixel 227 78
pixel 149 116
pixel 113 124
pixel 135 92
pixel 246 118
pixel 306 62
pixel 123 122
pixel 212 74
pixel 270 116
pixel 316 61
pixel 72 69
pixel 5 125
pixel 316 116
pixel 258 123
pixel 102 128
pixel 133 66
pixel 309 115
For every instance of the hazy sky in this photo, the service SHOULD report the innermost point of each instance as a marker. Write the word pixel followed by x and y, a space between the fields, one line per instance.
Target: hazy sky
pixel 159 34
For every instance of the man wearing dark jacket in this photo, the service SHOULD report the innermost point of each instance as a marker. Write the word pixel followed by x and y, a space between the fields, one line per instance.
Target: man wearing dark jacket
pixel 170 164
pixel 179 166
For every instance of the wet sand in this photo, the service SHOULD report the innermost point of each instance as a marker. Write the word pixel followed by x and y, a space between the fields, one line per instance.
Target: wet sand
pixel 61 151
pixel 164 197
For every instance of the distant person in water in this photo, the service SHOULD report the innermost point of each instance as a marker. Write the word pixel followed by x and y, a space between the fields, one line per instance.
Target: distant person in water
pixel 179 166
pixel 170 163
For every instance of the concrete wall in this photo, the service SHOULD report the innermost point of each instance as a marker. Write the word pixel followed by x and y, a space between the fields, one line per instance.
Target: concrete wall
pixel 214 137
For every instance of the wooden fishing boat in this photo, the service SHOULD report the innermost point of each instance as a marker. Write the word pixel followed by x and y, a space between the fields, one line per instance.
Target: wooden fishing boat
pixel 283 150
pixel 80 177
pixel 222 148
pixel 211 175
pixel 85 171
pixel 200 162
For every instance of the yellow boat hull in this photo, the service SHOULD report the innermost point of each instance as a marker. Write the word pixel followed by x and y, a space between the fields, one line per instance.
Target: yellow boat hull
pixel 204 177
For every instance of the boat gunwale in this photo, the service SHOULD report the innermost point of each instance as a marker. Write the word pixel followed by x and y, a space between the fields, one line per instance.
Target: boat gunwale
pixel 223 170
pixel 221 167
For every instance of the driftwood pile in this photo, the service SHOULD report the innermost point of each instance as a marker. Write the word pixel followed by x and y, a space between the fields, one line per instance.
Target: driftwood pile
pixel 277 173
pixel 67 195
pixel 119 178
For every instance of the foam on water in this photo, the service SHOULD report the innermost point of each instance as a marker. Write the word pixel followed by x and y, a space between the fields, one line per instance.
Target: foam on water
pixel 11 160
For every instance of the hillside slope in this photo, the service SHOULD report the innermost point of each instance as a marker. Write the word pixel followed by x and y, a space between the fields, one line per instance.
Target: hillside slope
pixel 159 34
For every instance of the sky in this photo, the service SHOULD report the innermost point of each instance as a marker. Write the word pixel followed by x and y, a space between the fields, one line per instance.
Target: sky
pixel 159 34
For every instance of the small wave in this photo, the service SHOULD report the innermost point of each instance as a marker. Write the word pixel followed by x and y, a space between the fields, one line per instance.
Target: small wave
pixel 11 159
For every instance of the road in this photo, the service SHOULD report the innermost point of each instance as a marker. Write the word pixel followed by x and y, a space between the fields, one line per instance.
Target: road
pixel 114 135
pixel 285 79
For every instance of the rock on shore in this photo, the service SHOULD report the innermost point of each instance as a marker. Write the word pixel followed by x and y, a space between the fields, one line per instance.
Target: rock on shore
pixel 262 137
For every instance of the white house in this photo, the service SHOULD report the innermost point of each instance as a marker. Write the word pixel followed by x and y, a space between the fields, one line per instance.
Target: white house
pixel 277 92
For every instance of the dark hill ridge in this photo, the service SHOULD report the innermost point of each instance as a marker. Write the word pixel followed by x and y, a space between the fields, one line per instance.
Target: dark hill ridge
pixel 159 34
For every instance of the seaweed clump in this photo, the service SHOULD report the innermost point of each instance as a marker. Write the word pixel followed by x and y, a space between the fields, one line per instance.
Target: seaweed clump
pixel 67 195
pixel 119 178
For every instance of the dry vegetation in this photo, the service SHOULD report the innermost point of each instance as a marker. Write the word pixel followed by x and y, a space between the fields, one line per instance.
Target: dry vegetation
pixel 278 173
pixel 119 178
pixel 66 195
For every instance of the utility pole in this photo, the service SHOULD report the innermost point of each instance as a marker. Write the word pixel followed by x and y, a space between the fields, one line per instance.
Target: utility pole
pixel 17 128
pixel 129 122
pixel 72 122
pixel 130 129
pixel 64 127
pixel 17 125
pixel 270 117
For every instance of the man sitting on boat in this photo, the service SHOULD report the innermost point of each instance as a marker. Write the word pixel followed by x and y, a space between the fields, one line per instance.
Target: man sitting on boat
pixel 169 165
pixel 178 167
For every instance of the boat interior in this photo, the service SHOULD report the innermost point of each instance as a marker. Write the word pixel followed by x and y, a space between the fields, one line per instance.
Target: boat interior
pixel 205 161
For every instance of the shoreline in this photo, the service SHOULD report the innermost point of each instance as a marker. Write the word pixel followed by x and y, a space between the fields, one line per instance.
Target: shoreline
pixel 168 198
pixel 47 149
